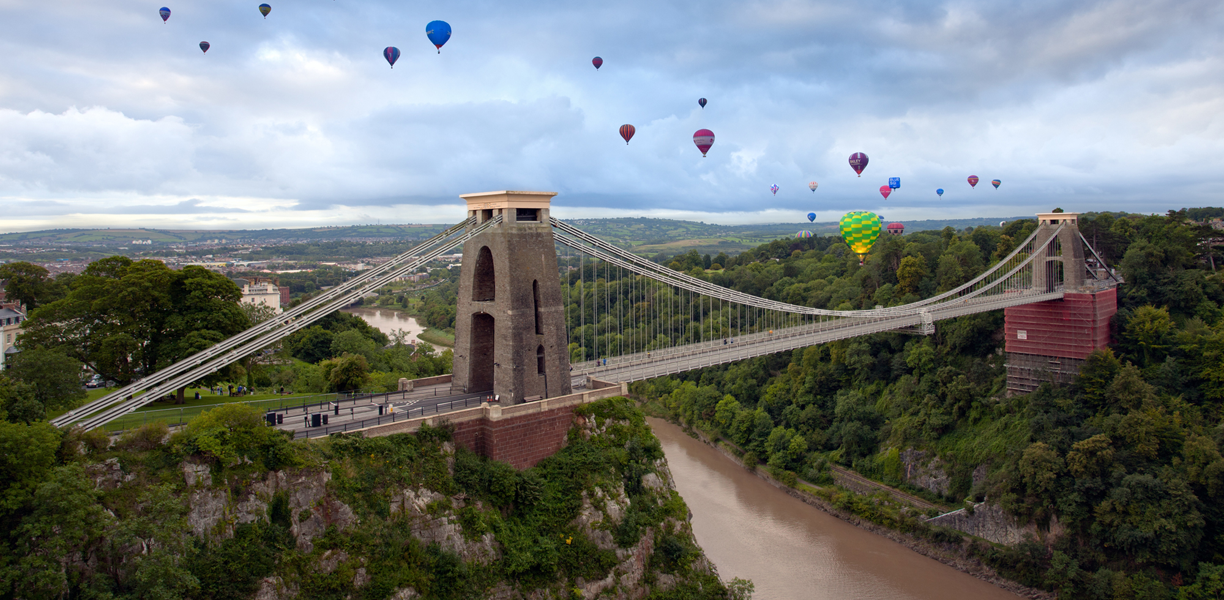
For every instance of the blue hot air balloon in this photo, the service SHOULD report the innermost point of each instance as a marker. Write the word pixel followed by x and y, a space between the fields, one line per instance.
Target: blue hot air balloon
pixel 940 192
pixel 264 9
pixel 165 13
pixel 205 46
pixel 811 216
pixel 438 32
pixel 701 102
pixel 774 188
pixel 391 53
pixel 894 182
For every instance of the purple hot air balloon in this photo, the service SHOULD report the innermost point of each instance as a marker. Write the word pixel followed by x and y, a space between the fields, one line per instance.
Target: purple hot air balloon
pixel 165 13
pixel 858 162
pixel 598 62
pixel 701 102
pixel 391 53
pixel 704 138
pixel 973 179
pixel 205 46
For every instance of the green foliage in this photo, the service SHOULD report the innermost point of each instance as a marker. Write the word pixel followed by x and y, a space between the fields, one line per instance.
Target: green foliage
pixel 125 319
pixel 233 432
pixel 54 379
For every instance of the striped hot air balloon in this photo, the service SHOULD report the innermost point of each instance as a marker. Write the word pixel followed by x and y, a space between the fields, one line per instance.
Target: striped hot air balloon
pixel 860 230
pixel 996 183
pixel 973 179
pixel 803 234
pixel 626 132
pixel 392 54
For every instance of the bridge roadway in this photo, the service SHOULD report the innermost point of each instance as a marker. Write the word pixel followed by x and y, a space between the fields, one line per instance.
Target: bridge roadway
pixel 667 361
pixel 363 411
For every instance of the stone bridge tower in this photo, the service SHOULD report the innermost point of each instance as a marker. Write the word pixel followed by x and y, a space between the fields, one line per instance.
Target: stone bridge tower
pixel 1048 342
pixel 510 335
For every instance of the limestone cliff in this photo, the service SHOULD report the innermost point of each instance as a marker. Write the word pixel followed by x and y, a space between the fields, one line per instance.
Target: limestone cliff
pixel 405 516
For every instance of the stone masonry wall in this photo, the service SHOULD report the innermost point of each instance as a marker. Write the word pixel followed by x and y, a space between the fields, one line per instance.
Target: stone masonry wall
pixel 522 440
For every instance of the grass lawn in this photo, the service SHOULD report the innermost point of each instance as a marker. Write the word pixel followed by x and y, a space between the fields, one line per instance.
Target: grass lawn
pixel 176 413
pixel 438 337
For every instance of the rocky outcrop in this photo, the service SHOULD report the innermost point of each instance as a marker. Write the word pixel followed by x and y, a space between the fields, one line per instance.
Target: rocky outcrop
pixel 433 517
pixel 925 471
pixel 990 522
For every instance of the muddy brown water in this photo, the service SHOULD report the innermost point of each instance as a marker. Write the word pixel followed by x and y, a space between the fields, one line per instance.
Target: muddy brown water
pixel 791 550
pixel 388 320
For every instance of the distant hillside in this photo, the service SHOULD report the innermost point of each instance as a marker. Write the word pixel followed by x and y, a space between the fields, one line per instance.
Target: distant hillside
pixel 109 237
pixel 641 235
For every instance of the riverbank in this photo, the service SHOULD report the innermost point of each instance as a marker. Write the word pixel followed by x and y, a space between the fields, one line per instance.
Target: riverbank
pixel 390 320
pixel 880 514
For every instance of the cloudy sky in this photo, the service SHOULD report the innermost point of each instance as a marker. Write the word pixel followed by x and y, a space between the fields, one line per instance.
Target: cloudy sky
pixel 108 117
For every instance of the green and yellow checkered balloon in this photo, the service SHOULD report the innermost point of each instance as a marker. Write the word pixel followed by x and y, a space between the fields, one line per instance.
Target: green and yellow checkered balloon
pixel 860 229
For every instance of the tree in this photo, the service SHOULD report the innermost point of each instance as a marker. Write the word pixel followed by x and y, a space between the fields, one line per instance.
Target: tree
pixel 27 455
pixel 54 378
pixel 28 284
pixel 312 345
pixel 911 273
pixel 1147 333
pixel 17 402
pixel 346 373
pixel 127 319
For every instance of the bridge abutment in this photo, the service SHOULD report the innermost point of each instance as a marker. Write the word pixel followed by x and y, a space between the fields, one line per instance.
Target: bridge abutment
pixel 510 335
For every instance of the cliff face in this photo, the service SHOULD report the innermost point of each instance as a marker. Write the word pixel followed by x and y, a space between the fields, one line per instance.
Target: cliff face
pixel 399 517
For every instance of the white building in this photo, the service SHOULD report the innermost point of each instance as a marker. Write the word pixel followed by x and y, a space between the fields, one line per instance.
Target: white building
pixel 11 317
pixel 262 293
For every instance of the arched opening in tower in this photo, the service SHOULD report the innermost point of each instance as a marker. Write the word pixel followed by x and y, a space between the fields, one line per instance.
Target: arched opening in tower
pixel 484 281
pixel 480 364
pixel 535 301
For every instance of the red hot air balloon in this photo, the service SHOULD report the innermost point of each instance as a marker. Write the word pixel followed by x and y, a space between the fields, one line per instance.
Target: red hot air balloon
pixel 392 54
pixel 598 62
pixel 704 138
pixel 973 179
pixel 858 162
pixel 627 132
pixel 885 191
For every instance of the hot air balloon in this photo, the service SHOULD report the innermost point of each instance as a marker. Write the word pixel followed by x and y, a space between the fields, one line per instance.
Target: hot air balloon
pixel 439 32
pixel 598 62
pixel 391 53
pixel 774 188
pixel 940 192
pixel 165 13
pixel 1002 223
pixel 704 138
pixel 811 217
pixel 205 46
pixel 896 228
pixel 626 132
pixel 803 234
pixel 858 162
pixel 995 182
pixel 701 102
pixel 860 229
pixel 973 179
pixel 885 191
pixel 894 182
pixel 265 9
pixel 812 186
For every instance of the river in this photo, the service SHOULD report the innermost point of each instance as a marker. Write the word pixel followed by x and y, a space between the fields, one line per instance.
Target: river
pixel 388 320
pixel 791 550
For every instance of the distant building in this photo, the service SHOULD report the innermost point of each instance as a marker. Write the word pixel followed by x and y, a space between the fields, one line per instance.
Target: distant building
pixel 262 293
pixel 284 296
pixel 11 316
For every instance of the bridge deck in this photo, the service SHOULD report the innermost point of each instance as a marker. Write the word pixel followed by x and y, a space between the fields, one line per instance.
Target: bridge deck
pixel 647 365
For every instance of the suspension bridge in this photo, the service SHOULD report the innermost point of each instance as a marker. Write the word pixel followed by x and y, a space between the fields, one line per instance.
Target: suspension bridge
pixel 545 308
